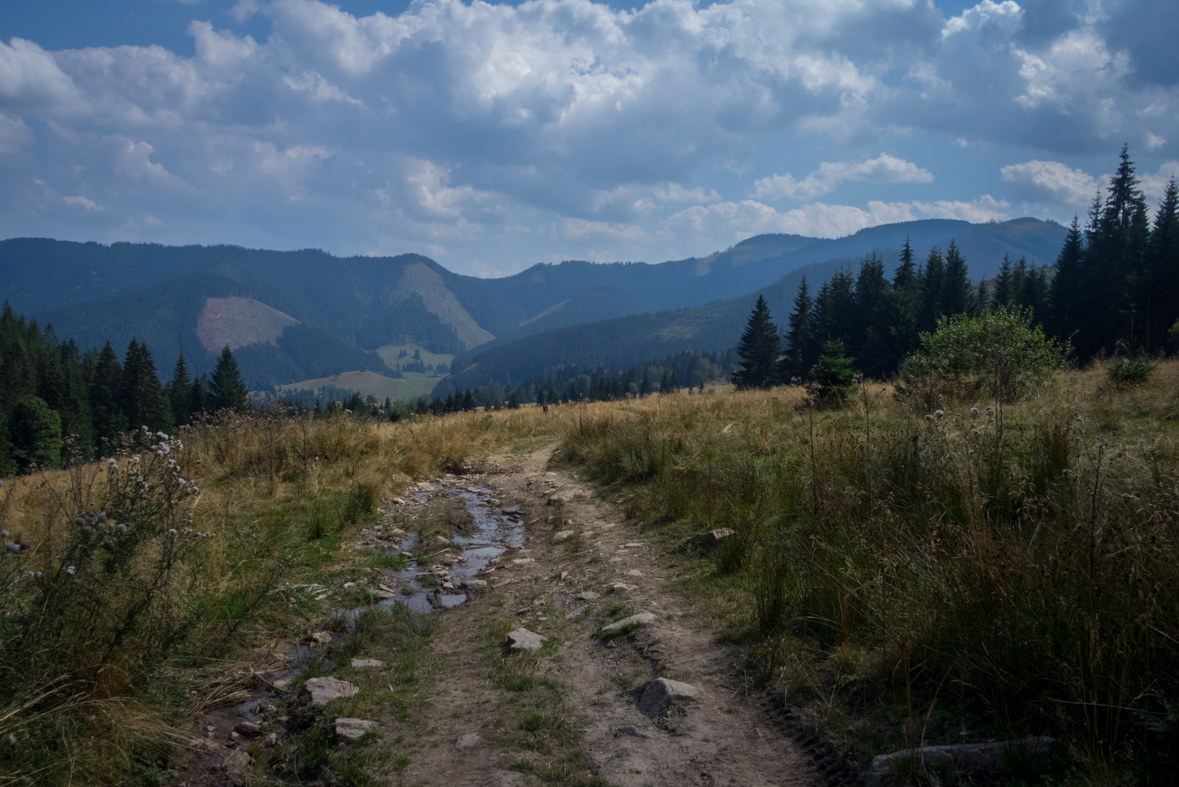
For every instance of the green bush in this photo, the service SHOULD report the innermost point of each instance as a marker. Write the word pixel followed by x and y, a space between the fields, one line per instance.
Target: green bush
pixel 1130 366
pixel 1000 353
pixel 834 375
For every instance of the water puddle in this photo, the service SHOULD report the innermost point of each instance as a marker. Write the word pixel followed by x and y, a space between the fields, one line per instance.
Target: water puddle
pixel 492 532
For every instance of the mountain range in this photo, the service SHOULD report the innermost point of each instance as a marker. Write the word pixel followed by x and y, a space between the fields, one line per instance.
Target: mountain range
pixel 306 315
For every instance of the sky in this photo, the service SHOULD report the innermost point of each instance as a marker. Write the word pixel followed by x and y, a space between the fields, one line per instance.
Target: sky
pixel 491 137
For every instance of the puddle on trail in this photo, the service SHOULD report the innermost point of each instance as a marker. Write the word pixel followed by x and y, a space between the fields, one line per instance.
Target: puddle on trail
pixel 493 531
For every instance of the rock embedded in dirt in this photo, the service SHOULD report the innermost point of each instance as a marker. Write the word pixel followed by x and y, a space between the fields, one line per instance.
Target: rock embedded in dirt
pixel 367 663
pixel 662 693
pixel 564 534
pixel 641 619
pixel 525 641
pixel 634 572
pixel 439 541
pixel 588 595
pixel 282 684
pixel 474 583
pixel 960 758
pixel 521 561
pixel 320 637
pixel 236 764
pixel 351 730
pixel 467 741
pixel 617 586
pixel 324 690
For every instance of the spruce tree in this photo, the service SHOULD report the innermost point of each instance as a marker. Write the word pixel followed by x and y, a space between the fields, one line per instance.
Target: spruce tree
pixel 1164 260
pixel 140 395
pixel 800 353
pixel 956 295
pixel 1003 289
pixel 180 391
pixel 105 388
pixel 1064 301
pixel 226 389
pixel 758 350
pixel 931 291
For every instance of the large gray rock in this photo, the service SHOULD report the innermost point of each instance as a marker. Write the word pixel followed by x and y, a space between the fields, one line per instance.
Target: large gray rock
pixel 662 693
pixel 641 619
pixel 963 758
pixel 524 641
pixel 324 690
pixel 351 730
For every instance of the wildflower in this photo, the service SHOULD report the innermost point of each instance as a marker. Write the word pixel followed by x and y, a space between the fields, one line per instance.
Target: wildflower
pixel 161 435
pixel 121 527
pixel 973 412
pixel 16 548
pixel 172 531
pixel 937 414
pixel 79 521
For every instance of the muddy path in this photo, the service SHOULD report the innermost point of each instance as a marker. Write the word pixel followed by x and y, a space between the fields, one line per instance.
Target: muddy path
pixel 569 712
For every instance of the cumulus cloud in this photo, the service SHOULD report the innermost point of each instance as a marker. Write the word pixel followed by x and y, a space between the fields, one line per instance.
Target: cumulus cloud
pixel 452 122
pixel 749 217
pixel 882 169
pixel 1051 181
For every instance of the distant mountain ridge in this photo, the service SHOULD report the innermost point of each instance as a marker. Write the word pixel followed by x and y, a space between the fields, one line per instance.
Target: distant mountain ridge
pixel 305 315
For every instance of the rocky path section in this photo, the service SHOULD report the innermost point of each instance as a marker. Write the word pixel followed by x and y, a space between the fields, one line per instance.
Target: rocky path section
pixel 582 702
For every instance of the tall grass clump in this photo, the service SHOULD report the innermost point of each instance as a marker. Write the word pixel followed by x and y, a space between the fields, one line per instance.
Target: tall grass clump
pixel 96 599
pixel 946 570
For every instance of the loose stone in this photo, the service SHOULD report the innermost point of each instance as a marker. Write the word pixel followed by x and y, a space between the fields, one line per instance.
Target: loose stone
pixel 641 619
pixel 351 730
pixel 467 741
pixel 367 663
pixel 661 693
pixel 525 641
pixel 324 690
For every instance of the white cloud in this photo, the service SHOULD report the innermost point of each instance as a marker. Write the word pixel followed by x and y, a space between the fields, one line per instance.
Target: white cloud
pixel 453 121
pixel 882 169
pixel 740 220
pixel 1052 181
pixel 14 134
pixel 986 12
pixel 1155 183
pixel 82 202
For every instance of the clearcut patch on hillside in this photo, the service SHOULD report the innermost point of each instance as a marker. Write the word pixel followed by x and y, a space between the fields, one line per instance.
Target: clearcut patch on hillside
pixel 238 322
pixel 411 387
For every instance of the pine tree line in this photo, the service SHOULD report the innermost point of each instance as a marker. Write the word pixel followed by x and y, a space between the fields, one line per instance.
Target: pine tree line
pixel 1115 281
pixel 49 391
pixel 1118 279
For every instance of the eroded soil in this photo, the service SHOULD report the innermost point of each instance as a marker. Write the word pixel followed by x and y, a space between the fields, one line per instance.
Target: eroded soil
pixel 569 713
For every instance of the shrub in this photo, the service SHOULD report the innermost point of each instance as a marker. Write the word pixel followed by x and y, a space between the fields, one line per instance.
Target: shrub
pixel 1001 352
pixel 1129 366
pixel 834 374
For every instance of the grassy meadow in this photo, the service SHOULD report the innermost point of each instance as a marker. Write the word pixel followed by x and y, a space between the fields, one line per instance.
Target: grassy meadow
pixel 913 577
pixel 153 587
pixel 901 576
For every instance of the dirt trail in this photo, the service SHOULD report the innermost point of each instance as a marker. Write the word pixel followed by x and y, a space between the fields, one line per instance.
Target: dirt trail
pixel 718 739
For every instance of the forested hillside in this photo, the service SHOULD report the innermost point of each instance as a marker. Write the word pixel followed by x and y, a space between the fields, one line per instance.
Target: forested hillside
pixel 295 317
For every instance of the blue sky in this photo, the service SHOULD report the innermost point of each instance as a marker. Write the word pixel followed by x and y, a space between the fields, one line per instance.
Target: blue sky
pixel 491 137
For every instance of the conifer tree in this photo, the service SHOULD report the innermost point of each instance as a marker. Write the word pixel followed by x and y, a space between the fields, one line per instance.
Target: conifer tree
pixel 956 295
pixel 226 389
pixel 140 395
pixel 180 391
pixel 105 388
pixel 800 353
pixel 1003 289
pixel 1064 295
pixel 758 350
pixel 931 290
